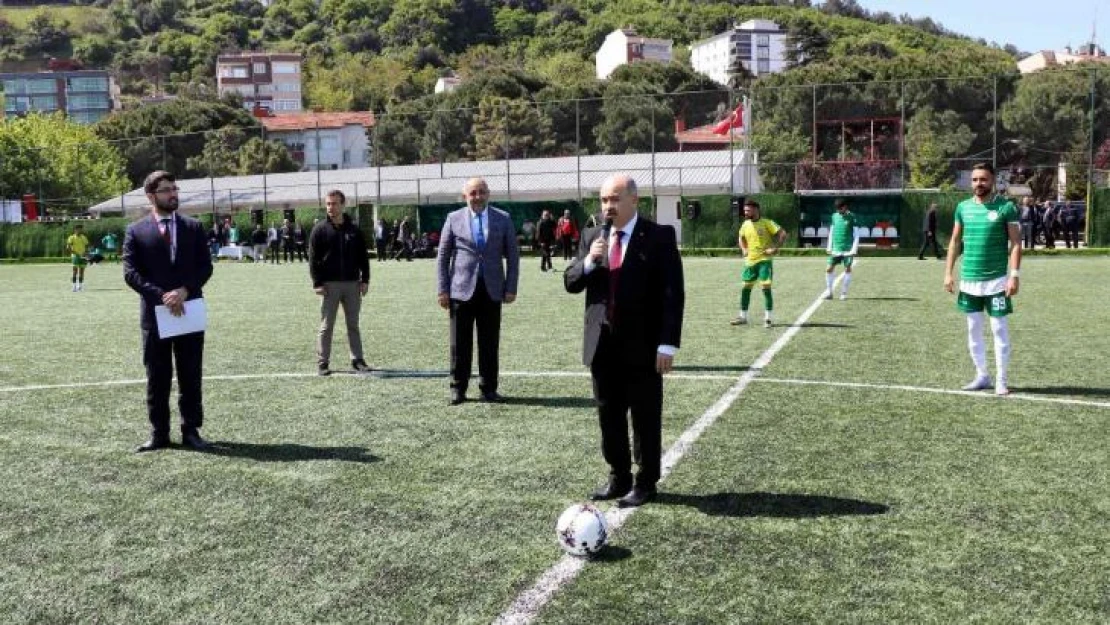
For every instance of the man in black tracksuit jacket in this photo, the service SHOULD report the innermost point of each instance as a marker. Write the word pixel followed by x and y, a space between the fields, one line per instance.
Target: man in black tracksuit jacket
pixel 339 264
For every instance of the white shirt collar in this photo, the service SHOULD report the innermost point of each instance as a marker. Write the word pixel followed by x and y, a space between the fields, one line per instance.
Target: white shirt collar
pixel 628 227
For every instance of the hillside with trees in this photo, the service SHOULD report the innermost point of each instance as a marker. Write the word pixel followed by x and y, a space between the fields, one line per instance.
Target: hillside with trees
pixel 528 80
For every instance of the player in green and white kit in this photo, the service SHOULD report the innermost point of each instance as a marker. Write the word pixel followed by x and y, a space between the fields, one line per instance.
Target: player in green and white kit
pixel 842 248
pixel 988 233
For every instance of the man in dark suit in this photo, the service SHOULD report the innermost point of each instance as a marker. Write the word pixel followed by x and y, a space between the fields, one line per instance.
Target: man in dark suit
pixel 632 274
pixel 477 243
pixel 166 261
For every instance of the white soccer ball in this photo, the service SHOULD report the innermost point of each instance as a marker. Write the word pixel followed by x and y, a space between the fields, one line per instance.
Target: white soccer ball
pixel 581 530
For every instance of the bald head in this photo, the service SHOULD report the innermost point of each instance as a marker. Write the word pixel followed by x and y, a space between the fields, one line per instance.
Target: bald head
pixel 619 199
pixel 476 193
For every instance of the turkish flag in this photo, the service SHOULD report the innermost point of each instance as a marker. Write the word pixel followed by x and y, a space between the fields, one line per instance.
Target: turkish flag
pixel 735 119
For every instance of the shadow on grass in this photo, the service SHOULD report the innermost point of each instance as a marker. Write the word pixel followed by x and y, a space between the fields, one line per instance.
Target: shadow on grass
pixel 550 402
pixel 1078 391
pixel 724 368
pixel 827 325
pixel 405 373
pixel 773 505
pixel 290 452
pixel 612 554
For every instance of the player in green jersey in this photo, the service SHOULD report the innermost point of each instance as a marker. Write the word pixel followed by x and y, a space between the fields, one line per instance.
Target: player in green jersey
pixel 988 234
pixel 760 239
pixel 842 247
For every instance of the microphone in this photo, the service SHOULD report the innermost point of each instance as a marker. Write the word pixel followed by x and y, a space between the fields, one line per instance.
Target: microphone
pixel 606 228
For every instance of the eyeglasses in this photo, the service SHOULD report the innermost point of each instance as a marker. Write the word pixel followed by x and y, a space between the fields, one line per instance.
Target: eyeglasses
pixel 167 190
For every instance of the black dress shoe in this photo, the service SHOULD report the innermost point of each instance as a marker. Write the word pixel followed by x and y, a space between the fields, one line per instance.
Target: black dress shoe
pixel 636 497
pixel 457 397
pixel 613 490
pixel 492 397
pixel 193 440
pixel 153 444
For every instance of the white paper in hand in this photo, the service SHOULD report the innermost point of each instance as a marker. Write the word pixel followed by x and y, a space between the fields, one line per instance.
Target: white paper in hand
pixel 195 319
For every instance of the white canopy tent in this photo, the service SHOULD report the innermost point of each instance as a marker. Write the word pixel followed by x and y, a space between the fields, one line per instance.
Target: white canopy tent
pixel 664 174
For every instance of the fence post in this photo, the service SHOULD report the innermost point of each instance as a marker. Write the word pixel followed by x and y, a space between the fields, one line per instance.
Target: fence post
pixel 1090 161
pixel 578 146
pixel 994 127
pixel 508 156
pixel 902 137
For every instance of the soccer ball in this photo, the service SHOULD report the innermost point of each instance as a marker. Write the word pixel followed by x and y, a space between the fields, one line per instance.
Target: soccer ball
pixel 581 530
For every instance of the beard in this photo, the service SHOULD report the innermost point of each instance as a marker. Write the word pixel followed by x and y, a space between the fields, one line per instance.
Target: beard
pixel 167 205
pixel 982 192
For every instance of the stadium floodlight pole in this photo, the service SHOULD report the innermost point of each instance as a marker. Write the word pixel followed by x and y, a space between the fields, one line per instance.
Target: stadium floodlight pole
pixel 265 187
pixel 731 150
pixel 578 146
pixel 813 122
pixel 1090 162
pixel 508 156
pixel 319 185
pixel 378 162
pixel 994 126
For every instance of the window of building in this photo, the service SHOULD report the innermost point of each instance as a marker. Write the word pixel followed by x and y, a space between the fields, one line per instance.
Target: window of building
pixel 287 68
pixel 88 117
pixel 260 68
pixel 266 89
pixel 327 143
pixel 45 85
pixel 87 102
pixel 287 105
pixel 44 103
pixel 288 87
pixel 88 83
pixel 763 40
pixel 234 71
pixel 763 53
pixel 764 66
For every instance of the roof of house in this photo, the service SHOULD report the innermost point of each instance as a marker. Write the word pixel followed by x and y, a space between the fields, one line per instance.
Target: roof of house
pixel 312 120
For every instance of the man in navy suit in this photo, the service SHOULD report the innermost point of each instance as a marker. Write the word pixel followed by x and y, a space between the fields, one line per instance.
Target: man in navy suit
pixel 632 274
pixel 167 262
pixel 477 243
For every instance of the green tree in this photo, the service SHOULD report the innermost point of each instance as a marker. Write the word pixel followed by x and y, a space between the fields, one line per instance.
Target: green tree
pixel 62 162
pixel 167 134
pixel 357 83
pixel 635 118
pixel 233 152
pixel 396 137
pixel 932 139
pixel 418 23
pixel 505 128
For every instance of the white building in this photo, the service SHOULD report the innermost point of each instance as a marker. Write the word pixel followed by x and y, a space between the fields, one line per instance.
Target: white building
pixel 1050 58
pixel 624 46
pixel 447 84
pixel 759 44
pixel 323 140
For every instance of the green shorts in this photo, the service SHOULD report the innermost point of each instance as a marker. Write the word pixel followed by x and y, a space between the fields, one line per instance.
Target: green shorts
pixel 761 271
pixel 78 261
pixel 997 305
pixel 836 259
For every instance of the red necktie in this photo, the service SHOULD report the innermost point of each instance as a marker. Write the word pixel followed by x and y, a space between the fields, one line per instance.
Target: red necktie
pixel 614 275
pixel 166 234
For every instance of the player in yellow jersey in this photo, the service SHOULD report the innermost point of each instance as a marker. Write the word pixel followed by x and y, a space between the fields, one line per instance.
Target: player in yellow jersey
pixel 77 245
pixel 760 239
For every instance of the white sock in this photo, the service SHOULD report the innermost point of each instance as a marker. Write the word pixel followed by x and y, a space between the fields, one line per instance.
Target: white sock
pixel 1000 328
pixel 845 282
pixel 975 344
pixel 767 315
pixel 829 281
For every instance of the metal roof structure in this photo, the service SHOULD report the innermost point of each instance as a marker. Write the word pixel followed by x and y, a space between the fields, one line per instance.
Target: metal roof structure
pixel 535 179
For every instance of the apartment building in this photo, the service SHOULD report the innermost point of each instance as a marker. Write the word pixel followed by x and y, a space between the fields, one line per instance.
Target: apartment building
pixel 268 81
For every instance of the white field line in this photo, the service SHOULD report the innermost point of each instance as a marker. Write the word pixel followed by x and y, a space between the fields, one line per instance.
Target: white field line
pixel 528 604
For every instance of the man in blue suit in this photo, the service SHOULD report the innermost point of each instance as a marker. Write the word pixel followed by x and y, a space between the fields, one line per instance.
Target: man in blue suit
pixel 478 266
pixel 167 262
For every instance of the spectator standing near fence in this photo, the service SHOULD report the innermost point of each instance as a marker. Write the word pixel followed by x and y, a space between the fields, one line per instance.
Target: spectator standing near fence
pixel 545 238
pixel 842 248
pixel 110 244
pixel 929 232
pixel 1069 223
pixel 568 234
pixel 1028 217
pixel 1048 225
pixel 258 242
pixel 77 245
pixel 760 240
pixel 987 233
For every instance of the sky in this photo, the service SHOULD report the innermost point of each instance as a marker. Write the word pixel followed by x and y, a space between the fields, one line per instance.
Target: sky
pixel 1030 25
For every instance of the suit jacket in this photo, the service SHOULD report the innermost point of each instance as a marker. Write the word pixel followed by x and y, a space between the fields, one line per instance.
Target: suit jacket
pixel 650 295
pixel 459 257
pixel 147 267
